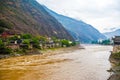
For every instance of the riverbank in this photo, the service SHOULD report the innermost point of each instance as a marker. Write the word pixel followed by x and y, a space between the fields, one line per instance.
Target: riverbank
pixel 115 62
pixel 40 52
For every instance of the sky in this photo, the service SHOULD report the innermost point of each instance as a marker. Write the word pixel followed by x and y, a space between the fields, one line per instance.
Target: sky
pixel 104 15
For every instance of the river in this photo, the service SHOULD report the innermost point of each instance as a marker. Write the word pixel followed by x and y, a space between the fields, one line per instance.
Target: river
pixel 90 63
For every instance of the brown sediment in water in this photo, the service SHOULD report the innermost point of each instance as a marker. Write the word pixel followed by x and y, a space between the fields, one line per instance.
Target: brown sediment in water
pixel 73 63
pixel 37 66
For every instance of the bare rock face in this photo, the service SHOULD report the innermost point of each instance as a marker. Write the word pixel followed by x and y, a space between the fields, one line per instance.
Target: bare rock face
pixel 28 16
pixel 115 61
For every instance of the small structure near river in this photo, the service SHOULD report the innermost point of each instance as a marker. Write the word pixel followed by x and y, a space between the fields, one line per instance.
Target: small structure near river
pixel 116 47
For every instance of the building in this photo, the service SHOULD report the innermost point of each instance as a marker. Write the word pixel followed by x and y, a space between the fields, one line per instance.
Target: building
pixel 116 42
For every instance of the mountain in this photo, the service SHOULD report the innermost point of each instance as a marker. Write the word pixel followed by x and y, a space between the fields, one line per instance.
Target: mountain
pixel 80 30
pixel 28 16
pixel 111 34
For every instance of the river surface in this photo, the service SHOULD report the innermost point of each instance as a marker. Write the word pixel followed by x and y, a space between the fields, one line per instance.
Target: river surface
pixel 90 63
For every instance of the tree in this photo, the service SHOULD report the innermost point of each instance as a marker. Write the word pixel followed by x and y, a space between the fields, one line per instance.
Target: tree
pixel 65 42
pixel 15 37
pixel 26 36
pixel 4 49
pixel 35 42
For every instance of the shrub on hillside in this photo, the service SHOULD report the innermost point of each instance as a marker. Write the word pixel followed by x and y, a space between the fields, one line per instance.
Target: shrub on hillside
pixel 26 36
pixel 1 30
pixel 5 24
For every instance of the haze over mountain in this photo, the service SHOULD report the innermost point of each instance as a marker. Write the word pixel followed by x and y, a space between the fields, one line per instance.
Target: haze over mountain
pixel 28 16
pixel 80 30
pixel 112 34
pixel 99 13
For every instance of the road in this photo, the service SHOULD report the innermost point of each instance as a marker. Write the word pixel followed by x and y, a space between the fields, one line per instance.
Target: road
pixel 90 63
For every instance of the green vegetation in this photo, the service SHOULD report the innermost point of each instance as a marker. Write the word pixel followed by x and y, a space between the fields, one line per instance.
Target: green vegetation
pixel 116 55
pixel 15 37
pixel 106 42
pixel 103 42
pixel 26 41
pixel 36 43
pixel 23 43
pixel 66 43
pixel 4 49
pixel 26 36
pixel 4 25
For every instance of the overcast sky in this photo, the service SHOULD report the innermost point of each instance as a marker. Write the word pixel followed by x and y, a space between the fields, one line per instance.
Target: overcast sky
pixel 104 15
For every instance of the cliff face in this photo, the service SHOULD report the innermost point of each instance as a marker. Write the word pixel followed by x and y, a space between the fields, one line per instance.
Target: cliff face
pixel 28 16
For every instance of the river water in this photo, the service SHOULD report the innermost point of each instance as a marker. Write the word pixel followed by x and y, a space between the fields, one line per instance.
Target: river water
pixel 90 63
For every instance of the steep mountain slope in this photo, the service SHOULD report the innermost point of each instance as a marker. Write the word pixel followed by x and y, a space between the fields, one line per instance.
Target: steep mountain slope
pixel 84 32
pixel 28 16
pixel 111 34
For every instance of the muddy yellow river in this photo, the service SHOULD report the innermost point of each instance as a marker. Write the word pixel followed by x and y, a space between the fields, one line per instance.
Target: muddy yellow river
pixel 90 63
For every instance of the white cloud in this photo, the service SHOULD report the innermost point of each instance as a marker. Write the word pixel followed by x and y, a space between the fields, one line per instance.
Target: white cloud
pixel 102 14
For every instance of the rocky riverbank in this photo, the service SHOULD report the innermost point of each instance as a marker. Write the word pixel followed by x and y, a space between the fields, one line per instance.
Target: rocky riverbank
pixel 115 70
